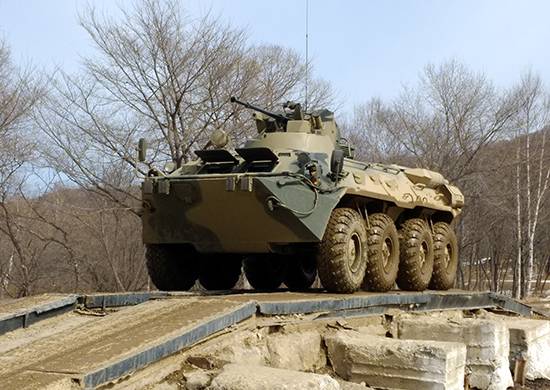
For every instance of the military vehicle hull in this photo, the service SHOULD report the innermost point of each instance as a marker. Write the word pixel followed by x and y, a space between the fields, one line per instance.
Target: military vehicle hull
pixel 231 214
pixel 293 203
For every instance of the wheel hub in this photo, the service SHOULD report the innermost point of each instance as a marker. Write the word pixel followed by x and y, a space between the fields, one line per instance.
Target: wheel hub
pixel 422 253
pixel 387 248
pixel 447 255
pixel 354 252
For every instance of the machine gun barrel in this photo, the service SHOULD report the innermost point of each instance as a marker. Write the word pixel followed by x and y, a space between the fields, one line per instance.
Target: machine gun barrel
pixel 278 117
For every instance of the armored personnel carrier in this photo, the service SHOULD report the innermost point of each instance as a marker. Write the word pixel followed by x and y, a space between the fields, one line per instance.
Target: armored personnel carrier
pixel 292 204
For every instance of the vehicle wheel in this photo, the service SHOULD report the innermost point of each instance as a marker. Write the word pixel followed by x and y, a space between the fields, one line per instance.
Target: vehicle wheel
pixel 416 255
pixel 168 267
pixel 342 255
pixel 383 253
pixel 220 272
pixel 301 271
pixel 445 257
pixel 264 272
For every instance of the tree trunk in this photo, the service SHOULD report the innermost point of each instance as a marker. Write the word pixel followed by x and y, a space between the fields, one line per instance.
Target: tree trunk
pixel 518 265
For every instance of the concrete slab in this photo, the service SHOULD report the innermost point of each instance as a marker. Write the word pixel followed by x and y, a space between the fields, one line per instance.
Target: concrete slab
pixel 487 343
pixel 32 380
pixel 300 351
pixel 129 340
pixel 197 380
pixel 293 350
pixel 244 377
pixel 530 340
pixel 400 364
pixel 345 385
pixel 244 347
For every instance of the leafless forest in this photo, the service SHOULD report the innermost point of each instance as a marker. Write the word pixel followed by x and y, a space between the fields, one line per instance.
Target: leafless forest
pixel 69 177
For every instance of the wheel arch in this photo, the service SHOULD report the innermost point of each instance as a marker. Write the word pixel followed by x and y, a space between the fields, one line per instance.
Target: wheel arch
pixel 367 206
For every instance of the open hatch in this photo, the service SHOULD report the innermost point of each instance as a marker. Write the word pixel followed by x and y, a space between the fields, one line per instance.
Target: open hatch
pixel 258 159
pixel 217 161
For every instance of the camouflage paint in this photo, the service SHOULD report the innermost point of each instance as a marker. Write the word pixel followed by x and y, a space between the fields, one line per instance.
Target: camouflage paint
pixel 238 210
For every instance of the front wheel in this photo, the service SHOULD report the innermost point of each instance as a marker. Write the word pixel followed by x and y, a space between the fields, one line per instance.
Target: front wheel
pixel 341 259
pixel 265 272
pixel 172 267
pixel 301 271
pixel 220 272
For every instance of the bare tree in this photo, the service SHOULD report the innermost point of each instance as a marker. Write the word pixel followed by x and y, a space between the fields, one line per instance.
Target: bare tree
pixel 441 124
pixel 532 174
pixel 19 93
pixel 159 74
pixel 367 132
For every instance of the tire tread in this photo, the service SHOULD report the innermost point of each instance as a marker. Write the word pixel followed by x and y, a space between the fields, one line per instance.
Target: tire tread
pixel 410 276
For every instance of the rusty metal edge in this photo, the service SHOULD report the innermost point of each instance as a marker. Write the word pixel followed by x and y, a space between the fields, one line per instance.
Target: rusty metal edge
pixel 141 359
pixel 510 304
pixel 93 301
pixel 426 301
pixel 334 304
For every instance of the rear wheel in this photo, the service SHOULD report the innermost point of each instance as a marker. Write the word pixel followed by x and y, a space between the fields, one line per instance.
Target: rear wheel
pixel 445 257
pixel 170 267
pixel 341 259
pixel 220 272
pixel 383 253
pixel 416 255
pixel 264 272
pixel 301 271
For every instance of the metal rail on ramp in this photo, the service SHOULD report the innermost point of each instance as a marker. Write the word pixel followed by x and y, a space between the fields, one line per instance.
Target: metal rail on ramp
pixel 23 312
pixel 283 302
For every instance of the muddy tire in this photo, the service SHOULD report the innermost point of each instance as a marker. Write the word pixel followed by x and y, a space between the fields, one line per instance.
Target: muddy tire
pixel 445 257
pixel 301 271
pixel 169 268
pixel 342 255
pixel 220 272
pixel 382 254
pixel 265 272
pixel 416 255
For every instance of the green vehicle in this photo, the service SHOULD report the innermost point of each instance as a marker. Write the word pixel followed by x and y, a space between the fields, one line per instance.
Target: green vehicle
pixel 293 204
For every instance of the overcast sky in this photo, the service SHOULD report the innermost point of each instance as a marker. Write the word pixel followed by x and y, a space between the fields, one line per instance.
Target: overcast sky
pixel 365 48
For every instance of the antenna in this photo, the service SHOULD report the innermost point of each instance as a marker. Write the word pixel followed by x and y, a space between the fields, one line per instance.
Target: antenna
pixel 307 53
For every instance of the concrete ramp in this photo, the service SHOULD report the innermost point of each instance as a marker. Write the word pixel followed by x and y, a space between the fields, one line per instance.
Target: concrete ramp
pixel 121 343
pixel 75 351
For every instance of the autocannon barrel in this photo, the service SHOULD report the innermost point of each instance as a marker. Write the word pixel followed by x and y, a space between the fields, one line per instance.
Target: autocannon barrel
pixel 278 117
